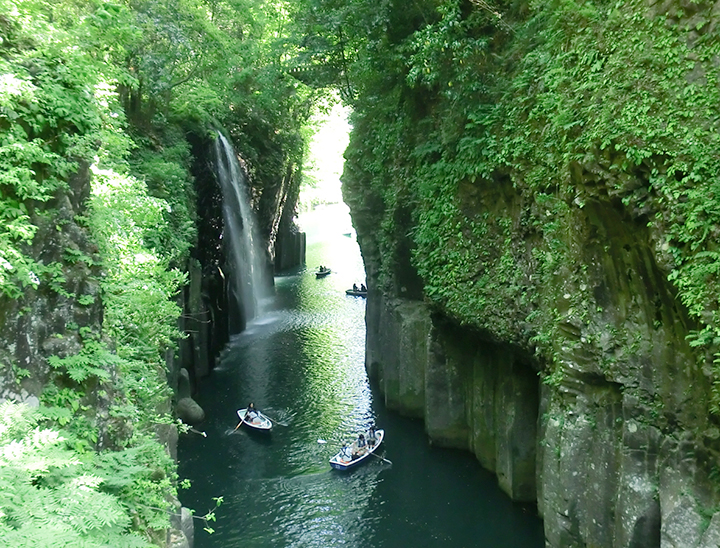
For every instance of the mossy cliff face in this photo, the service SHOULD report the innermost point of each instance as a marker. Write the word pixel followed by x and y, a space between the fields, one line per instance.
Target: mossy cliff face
pixel 535 203
pixel 45 321
pixel 617 445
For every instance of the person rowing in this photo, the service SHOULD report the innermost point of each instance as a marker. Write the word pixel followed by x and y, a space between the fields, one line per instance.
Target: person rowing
pixel 251 414
pixel 346 452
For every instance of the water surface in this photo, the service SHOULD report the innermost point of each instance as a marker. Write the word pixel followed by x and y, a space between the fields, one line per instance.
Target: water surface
pixel 302 363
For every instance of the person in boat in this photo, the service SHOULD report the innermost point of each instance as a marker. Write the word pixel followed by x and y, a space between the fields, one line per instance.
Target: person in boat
pixel 360 446
pixel 363 288
pixel 355 287
pixel 250 413
pixel 345 452
pixel 372 437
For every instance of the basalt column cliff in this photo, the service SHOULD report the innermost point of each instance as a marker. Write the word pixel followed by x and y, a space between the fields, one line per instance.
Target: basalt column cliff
pixel 535 196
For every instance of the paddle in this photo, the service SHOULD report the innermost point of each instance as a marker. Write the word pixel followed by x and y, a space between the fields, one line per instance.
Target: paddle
pixel 275 421
pixel 238 426
pixel 381 458
pixel 203 434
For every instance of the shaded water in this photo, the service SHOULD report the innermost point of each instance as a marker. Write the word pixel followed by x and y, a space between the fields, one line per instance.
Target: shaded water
pixel 302 363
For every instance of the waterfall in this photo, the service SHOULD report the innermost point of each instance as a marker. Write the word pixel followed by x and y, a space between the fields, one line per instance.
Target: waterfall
pixel 247 283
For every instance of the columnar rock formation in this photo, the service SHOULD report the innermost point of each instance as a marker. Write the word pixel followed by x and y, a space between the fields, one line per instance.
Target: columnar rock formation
pixel 617 448
pixel 533 188
pixel 206 321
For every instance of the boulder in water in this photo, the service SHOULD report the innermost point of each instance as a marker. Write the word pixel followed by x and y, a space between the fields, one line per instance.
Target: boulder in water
pixel 189 411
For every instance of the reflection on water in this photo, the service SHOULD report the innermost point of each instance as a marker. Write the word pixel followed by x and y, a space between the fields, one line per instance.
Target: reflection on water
pixel 302 364
pixel 318 510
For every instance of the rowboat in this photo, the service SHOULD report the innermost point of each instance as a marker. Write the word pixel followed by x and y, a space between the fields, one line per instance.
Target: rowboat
pixel 344 461
pixel 322 273
pixel 356 293
pixel 260 422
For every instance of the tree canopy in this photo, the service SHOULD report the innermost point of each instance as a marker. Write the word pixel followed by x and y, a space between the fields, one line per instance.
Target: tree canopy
pixel 108 90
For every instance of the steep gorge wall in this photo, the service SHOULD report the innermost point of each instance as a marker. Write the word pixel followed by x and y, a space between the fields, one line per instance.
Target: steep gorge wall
pixel 533 293
pixel 46 321
pixel 66 312
pixel 618 449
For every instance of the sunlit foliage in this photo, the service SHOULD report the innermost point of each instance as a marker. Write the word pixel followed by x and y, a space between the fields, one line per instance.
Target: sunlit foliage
pixel 457 96
pixel 51 496
pixel 111 90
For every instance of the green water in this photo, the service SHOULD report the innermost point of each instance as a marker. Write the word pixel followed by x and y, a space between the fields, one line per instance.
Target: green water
pixel 302 363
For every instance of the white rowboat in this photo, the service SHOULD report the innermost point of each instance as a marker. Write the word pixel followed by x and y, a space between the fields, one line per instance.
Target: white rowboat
pixel 260 422
pixel 343 460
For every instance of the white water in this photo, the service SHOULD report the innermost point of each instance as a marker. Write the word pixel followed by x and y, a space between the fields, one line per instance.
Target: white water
pixel 249 287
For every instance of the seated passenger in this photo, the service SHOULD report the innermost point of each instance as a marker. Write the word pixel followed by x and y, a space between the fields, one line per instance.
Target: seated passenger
pixel 372 438
pixel 251 413
pixel 360 446
pixel 363 288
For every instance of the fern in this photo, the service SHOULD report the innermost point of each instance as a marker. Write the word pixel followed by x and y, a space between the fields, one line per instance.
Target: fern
pixel 47 498
pixel 94 360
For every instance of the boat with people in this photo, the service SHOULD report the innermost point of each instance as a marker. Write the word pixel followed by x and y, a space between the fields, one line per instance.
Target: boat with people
pixel 255 420
pixel 322 272
pixel 356 292
pixel 351 455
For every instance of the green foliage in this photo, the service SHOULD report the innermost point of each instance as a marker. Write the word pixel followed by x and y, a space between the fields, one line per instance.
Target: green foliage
pixel 166 173
pixel 138 287
pixel 60 107
pixel 48 496
pixel 50 119
pixel 76 75
pixel 447 54
pixel 94 360
pixel 141 476
pixel 542 98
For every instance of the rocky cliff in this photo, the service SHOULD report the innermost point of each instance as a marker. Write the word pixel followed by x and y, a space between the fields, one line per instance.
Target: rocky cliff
pixel 539 284
pixel 101 270
pixel 46 320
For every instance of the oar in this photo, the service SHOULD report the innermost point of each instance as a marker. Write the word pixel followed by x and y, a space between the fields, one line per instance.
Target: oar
pixel 275 421
pixel 238 426
pixel 203 434
pixel 381 458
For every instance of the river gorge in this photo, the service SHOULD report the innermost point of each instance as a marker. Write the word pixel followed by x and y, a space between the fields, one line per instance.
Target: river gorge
pixel 534 206
pixel 303 363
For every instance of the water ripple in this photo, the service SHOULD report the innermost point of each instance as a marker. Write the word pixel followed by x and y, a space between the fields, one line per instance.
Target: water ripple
pixel 303 363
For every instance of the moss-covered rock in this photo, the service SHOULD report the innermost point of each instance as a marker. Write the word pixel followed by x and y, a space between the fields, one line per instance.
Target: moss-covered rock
pixel 543 177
